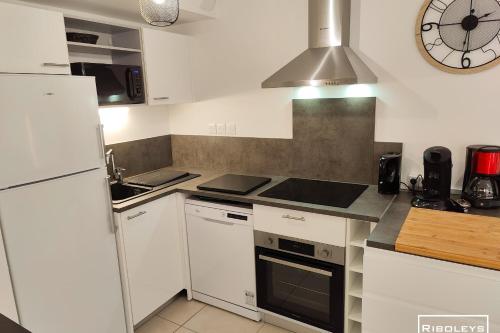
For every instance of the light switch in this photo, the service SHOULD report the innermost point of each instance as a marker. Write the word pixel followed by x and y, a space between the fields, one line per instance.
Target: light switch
pixel 212 130
pixel 231 129
pixel 221 129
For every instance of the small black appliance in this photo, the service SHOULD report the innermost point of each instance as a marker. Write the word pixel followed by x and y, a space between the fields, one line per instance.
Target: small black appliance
pixel 81 37
pixel 482 176
pixel 389 173
pixel 437 180
pixel 116 84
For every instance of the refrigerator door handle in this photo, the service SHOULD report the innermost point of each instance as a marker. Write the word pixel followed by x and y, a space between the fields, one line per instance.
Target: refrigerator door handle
pixel 100 132
pixel 109 204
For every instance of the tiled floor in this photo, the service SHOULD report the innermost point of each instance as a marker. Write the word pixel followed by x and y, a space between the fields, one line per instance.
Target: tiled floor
pixel 184 316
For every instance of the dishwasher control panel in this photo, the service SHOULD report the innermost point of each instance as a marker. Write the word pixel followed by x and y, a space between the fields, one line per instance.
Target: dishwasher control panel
pixel 215 211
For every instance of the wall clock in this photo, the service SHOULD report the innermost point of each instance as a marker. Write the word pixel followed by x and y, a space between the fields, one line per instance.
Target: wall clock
pixel 460 36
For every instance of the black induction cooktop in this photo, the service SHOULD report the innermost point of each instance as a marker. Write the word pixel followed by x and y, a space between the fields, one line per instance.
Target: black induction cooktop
pixel 234 184
pixel 316 192
pixel 157 178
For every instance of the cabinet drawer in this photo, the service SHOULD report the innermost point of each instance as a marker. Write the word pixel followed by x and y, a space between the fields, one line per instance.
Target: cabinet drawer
pixel 292 223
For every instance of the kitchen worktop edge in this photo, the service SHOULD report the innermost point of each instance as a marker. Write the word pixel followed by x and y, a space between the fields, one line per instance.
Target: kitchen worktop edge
pixel 370 206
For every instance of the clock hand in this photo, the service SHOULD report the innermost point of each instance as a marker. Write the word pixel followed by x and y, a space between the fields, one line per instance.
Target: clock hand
pixel 428 26
pixel 466 41
pixel 495 20
pixel 447 24
pixel 471 9
pixel 485 15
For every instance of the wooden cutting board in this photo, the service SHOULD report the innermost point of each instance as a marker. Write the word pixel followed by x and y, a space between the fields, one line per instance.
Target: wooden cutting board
pixel 462 238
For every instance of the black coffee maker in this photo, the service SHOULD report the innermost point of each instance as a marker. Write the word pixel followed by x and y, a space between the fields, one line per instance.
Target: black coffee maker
pixel 437 180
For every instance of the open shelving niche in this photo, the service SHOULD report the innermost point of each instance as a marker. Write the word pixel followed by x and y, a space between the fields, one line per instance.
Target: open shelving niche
pixel 116 44
pixel 357 233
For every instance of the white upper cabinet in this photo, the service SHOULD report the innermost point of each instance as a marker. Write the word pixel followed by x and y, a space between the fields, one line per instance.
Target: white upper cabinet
pixel 33 40
pixel 168 72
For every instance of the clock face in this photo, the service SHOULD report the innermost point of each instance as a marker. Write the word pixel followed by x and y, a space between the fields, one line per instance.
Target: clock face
pixel 460 36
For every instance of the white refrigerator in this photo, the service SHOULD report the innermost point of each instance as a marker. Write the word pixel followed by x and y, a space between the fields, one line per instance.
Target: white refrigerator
pixel 55 209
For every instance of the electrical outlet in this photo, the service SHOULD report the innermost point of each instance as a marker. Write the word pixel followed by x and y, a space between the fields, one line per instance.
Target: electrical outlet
pixel 212 130
pixel 231 129
pixel 221 129
pixel 415 183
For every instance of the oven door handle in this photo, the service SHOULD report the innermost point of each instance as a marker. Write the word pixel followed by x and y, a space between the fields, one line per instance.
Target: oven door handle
pixel 294 265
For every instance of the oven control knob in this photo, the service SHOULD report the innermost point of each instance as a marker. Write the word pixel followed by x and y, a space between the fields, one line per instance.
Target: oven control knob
pixel 324 254
pixel 270 241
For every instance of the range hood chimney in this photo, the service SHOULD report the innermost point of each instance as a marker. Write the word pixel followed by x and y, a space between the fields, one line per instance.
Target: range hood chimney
pixel 329 60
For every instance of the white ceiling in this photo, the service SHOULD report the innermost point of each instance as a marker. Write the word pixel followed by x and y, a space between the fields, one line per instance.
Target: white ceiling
pixel 122 9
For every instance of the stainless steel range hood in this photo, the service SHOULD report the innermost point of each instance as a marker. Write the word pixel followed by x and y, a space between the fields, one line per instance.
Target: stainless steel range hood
pixel 329 60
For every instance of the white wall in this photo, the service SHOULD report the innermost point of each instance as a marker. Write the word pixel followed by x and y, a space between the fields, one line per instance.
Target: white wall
pixel 123 124
pixel 417 104
pixel 231 56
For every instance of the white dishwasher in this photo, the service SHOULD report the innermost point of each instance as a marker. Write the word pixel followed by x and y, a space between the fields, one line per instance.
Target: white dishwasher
pixel 221 255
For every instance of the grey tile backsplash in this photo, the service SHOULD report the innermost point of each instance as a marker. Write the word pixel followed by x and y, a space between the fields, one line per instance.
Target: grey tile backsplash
pixel 144 155
pixel 333 139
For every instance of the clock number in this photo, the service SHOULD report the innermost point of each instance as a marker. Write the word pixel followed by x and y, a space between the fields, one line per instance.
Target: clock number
pixel 466 62
pixel 439 6
pixel 428 26
pixel 430 46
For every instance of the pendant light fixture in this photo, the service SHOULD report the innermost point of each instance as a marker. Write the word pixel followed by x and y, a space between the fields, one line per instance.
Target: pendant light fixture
pixel 160 13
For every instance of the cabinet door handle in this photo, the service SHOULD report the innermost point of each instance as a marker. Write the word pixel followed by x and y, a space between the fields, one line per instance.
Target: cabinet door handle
pixel 135 215
pixel 295 218
pixel 217 221
pixel 161 98
pixel 54 64
pixel 295 265
pixel 100 134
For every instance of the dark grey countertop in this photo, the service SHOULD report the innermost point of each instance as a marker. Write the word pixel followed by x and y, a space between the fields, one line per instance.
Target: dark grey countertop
pixel 386 232
pixel 370 206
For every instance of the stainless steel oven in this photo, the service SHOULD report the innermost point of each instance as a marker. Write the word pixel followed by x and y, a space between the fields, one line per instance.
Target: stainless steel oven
pixel 301 280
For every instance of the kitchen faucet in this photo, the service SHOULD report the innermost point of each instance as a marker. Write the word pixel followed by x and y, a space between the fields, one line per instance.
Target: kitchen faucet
pixel 117 171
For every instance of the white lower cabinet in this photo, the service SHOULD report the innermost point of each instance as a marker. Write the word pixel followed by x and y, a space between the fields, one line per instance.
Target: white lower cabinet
pixel 398 287
pixel 151 255
pixel 7 302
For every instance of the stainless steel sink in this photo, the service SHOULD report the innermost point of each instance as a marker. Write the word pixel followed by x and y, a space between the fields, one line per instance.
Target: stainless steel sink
pixel 122 192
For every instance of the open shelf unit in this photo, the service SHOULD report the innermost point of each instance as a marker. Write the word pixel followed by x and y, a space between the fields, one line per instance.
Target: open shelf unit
pixel 120 45
pixel 354 327
pixel 104 49
pixel 357 233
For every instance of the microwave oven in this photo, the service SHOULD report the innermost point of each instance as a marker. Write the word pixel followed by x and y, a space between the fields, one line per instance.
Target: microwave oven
pixel 116 84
